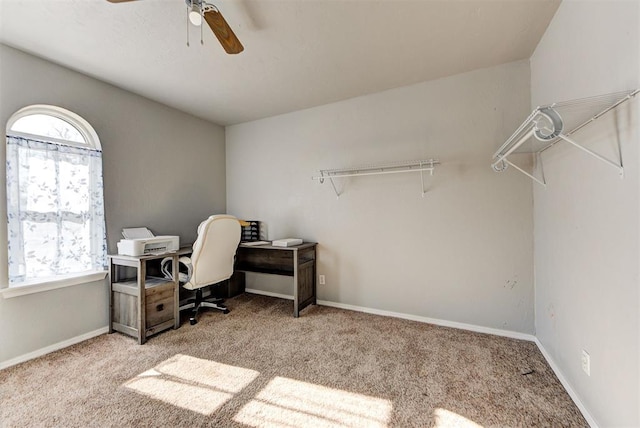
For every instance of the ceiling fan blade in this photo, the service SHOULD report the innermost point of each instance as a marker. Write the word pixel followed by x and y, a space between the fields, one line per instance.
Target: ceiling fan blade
pixel 223 32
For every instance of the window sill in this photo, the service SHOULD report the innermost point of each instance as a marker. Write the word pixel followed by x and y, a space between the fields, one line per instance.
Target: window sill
pixel 52 284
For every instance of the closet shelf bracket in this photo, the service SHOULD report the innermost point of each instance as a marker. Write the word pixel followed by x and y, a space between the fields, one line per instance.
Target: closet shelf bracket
pixel 421 166
pixel 557 122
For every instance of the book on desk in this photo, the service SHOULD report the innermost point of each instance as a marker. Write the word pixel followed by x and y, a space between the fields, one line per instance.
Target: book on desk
pixel 286 242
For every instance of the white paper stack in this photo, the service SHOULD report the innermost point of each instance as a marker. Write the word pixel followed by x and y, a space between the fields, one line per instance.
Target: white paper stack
pixel 254 243
pixel 287 242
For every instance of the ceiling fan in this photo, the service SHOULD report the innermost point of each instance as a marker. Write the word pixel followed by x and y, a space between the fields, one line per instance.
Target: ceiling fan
pixel 197 10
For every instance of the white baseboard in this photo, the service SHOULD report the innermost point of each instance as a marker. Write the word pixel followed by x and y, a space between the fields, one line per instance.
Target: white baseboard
pixel 567 386
pixel 268 293
pixel 55 347
pixel 443 323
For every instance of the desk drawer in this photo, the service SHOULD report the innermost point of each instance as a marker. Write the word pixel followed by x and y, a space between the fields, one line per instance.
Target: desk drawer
pixel 306 255
pixel 159 305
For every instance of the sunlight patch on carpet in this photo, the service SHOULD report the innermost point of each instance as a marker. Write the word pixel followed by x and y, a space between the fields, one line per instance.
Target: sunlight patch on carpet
pixel 286 403
pixel 220 376
pixel 448 419
pixel 191 383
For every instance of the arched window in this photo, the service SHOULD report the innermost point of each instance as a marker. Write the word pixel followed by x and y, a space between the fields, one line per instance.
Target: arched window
pixel 55 202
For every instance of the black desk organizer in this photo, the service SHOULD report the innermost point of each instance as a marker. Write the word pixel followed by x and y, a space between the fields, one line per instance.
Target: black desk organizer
pixel 250 232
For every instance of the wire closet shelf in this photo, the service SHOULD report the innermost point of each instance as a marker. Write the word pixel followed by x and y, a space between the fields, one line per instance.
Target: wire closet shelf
pixel 420 166
pixel 550 124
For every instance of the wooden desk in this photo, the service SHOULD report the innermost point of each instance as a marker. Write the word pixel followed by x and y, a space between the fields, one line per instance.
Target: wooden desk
pixel 298 262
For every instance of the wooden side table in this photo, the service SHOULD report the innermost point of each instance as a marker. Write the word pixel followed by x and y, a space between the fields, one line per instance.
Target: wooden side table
pixel 143 305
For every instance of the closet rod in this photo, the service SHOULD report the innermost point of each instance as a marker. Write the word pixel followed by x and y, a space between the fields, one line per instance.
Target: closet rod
pixel 389 168
pixel 548 125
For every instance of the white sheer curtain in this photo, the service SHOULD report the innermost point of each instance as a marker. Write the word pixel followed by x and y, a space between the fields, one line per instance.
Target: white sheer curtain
pixel 55 210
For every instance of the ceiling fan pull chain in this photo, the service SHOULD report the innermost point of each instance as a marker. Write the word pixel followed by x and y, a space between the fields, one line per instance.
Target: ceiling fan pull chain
pixel 201 20
pixel 187 26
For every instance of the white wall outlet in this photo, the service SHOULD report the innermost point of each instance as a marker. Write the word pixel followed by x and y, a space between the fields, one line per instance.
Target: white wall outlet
pixel 321 279
pixel 586 362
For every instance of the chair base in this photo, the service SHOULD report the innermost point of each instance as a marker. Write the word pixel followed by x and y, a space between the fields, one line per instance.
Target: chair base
pixel 199 302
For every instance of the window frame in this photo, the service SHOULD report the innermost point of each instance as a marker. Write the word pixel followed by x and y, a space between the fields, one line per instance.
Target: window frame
pixel 92 141
pixel 86 130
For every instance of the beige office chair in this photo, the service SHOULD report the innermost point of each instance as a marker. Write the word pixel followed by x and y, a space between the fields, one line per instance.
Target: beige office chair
pixel 211 261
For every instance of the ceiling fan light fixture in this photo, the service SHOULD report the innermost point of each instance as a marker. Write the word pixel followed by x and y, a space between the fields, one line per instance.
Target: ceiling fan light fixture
pixel 195 15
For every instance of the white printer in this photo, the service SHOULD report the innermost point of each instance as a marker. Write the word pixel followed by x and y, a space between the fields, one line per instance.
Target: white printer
pixel 139 241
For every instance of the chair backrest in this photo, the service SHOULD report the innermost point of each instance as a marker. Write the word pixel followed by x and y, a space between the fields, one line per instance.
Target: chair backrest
pixel 214 250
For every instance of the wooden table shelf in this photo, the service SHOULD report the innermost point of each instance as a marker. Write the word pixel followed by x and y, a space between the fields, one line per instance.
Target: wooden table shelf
pixel 145 305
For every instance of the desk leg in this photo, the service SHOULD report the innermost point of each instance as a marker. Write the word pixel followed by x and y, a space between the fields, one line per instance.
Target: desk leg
pixel 296 286
pixel 176 291
pixel 236 284
pixel 142 302
pixel 112 278
pixel 305 279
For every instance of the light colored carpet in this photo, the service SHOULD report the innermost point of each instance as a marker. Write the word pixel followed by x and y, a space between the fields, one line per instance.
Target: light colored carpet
pixel 258 366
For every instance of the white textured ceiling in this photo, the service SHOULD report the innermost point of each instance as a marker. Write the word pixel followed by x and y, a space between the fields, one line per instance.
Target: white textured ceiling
pixel 298 54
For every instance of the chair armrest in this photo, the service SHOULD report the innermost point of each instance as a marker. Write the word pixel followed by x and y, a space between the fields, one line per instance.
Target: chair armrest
pixel 187 262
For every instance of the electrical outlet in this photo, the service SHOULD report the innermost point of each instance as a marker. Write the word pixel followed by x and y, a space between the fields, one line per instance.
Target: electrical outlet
pixel 586 362
pixel 321 279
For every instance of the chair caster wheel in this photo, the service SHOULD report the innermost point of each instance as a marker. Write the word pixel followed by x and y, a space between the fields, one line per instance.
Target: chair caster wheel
pixel 226 311
pixel 193 321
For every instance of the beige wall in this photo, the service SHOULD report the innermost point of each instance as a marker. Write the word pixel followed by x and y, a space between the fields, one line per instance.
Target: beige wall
pixel 162 168
pixel 463 253
pixel 587 219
